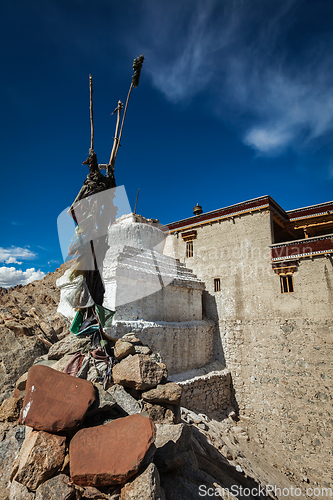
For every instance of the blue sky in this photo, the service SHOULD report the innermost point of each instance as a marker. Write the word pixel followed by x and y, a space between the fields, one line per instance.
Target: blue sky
pixel 235 101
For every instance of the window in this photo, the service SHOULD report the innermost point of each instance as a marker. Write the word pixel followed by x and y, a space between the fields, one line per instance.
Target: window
pixel 189 249
pixel 217 285
pixel 287 284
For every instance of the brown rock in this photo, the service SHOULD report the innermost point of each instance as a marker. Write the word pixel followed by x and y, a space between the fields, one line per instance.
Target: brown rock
pixel 18 328
pixel 10 409
pixel 137 372
pixel 55 401
pixel 93 493
pixel 144 487
pixel 122 349
pixel 48 331
pixel 166 414
pixel 60 324
pixel 165 371
pixel 22 381
pixel 41 455
pixel 56 488
pixel 112 453
pixel 169 393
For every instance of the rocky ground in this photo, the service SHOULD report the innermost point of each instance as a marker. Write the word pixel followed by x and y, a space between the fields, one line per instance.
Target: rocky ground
pixel 69 436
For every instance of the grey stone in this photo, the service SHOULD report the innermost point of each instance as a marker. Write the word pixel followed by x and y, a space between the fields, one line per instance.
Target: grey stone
pixel 173 444
pixel 56 488
pixel 18 491
pixel 68 345
pixel 124 400
pixel 146 486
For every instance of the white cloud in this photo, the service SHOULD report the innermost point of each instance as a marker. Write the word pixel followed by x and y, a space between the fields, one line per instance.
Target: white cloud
pixel 9 276
pixel 7 254
pixel 12 260
pixel 238 52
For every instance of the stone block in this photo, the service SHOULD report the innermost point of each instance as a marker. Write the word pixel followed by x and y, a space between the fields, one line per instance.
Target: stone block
pixel 112 453
pixel 138 372
pixel 41 455
pixel 54 401
pixel 169 393
pixel 122 349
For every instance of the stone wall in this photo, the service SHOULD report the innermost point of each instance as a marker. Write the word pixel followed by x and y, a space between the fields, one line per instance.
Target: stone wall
pixel 208 393
pixel 277 346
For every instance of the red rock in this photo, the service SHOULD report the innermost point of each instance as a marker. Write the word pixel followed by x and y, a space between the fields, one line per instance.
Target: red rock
pixel 55 401
pixel 112 453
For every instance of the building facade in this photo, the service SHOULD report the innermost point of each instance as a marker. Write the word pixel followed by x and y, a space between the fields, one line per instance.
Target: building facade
pixel 269 288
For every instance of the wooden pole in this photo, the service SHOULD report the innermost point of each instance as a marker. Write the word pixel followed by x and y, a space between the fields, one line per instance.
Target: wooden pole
pixel 136 201
pixel 122 123
pixel 115 139
pixel 91 113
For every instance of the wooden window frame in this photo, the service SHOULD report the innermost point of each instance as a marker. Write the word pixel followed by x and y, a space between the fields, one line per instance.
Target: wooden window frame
pixel 287 283
pixel 217 284
pixel 189 249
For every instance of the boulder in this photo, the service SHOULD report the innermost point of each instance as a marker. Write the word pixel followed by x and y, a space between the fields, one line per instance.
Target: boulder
pixel 10 409
pixel 41 455
pixel 162 414
pixel 112 453
pixel 56 488
pixel 144 487
pixel 54 401
pixel 138 372
pixel 122 349
pixel 126 402
pixel 68 345
pixel 173 444
pixel 18 491
pixel 169 393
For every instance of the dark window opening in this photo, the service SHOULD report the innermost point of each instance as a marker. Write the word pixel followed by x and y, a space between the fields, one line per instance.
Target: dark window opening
pixel 189 249
pixel 287 285
pixel 217 285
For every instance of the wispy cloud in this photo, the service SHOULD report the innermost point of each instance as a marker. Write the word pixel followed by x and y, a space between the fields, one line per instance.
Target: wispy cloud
pixel 9 276
pixel 9 255
pixel 240 53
